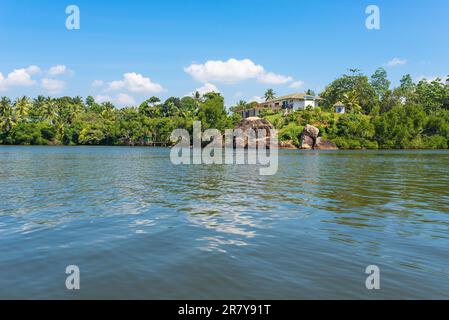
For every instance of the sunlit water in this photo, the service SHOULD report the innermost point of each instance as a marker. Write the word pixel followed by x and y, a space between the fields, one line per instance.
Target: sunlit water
pixel 139 227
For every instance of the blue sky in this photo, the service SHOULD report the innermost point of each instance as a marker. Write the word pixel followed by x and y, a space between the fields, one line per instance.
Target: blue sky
pixel 136 49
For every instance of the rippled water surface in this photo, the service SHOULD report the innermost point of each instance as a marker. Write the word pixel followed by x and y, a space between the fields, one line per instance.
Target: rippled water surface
pixel 139 227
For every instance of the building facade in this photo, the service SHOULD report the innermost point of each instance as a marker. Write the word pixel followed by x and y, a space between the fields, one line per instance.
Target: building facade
pixel 292 102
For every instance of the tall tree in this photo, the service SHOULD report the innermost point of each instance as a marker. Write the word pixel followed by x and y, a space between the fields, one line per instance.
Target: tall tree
pixel 212 112
pixel 310 92
pixel 7 119
pixel 350 87
pixel 380 82
pixel 269 95
pixel 22 107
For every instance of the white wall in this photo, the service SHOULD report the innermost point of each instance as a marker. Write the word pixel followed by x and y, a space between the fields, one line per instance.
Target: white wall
pixel 302 104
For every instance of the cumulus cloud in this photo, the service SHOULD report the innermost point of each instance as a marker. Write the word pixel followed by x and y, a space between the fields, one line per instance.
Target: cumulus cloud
pixel 224 71
pixel 23 77
pixel 396 62
pixel 57 70
pixel 296 85
pixel 137 83
pixel 257 99
pixel 31 70
pixel 102 98
pixel 53 86
pixel 125 99
pixel 19 78
pixel 233 71
pixel 208 87
pixel 276 79
pixel 122 99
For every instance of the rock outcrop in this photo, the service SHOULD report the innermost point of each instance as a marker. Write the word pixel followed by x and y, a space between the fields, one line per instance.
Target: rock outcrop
pixel 311 131
pixel 255 124
pixel 306 142
pixel 287 145
pixel 310 140
pixel 322 144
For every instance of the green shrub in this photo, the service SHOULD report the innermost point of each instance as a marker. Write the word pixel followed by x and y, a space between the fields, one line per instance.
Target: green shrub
pixel 435 142
pixel 291 132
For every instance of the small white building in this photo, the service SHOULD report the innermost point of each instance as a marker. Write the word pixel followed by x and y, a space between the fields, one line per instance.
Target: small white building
pixel 340 107
pixel 293 102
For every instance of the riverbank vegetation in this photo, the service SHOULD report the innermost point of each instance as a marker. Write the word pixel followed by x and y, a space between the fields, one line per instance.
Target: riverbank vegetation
pixel 412 115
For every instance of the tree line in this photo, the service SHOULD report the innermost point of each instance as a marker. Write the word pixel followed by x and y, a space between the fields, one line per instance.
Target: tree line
pixel 412 115
pixel 74 121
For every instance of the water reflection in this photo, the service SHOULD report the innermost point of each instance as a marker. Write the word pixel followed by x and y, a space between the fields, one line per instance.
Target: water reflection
pixel 325 214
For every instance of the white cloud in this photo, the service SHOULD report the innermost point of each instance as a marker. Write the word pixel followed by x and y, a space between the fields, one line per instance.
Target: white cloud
pixel 296 85
pixel 275 79
pixel 23 77
pixel 125 99
pixel 57 70
pixel 230 71
pixel 31 70
pixel 135 82
pixel 53 86
pixel 233 71
pixel 257 99
pixel 102 98
pixel 97 83
pixel 430 79
pixel 121 99
pixel 396 62
pixel 19 78
pixel 208 87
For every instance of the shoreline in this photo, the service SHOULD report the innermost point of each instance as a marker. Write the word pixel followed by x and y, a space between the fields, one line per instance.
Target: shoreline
pixel 168 147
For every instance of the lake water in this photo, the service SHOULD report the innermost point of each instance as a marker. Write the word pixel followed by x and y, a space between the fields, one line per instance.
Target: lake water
pixel 139 227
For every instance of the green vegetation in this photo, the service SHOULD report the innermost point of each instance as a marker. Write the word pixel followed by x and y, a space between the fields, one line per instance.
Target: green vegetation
pixel 72 121
pixel 413 115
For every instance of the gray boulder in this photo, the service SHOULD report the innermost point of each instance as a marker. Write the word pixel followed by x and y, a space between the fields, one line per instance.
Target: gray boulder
pixel 322 144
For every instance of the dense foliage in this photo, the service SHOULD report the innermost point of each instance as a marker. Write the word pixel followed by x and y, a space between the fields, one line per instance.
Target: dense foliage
pixel 72 121
pixel 413 115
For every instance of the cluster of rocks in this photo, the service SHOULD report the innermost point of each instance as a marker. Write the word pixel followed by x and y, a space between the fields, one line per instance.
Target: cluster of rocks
pixel 255 124
pixel 309 140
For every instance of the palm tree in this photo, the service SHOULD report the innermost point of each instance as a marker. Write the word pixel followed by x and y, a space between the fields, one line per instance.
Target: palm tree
pixel 310 92
pixel 108 112
pixel 351 101
pixel 354 71
pixel 270 95
pixel 197 95
pixel 7 119
pixel 49 110
pixel 22 107
pixel 5 106
pixel 241 105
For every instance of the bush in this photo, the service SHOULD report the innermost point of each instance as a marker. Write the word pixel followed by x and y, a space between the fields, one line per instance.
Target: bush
pixel 291 132
pixel 436 142
pixel 355 144
pixel 26 134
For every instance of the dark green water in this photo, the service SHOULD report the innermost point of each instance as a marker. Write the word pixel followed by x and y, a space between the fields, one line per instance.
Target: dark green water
pixel 139 227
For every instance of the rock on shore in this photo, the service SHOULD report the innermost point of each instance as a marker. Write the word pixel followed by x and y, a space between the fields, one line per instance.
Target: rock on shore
pixel 310 140
pixel 255 124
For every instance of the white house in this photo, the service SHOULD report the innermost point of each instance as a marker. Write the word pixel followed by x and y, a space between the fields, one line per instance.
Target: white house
pixel 293 102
